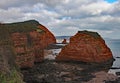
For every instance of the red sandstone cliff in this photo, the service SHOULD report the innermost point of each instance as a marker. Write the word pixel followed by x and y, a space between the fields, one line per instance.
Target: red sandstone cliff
pixel 87 47
pixel 49 38
pixel 21 44
pixel 29 46
pixel 24 53
pixel 41 41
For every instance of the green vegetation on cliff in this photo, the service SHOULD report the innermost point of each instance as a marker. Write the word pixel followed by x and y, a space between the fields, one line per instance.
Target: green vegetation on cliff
pixel 9 72
pixel 93 34
pixel 13 77
pixel 27 26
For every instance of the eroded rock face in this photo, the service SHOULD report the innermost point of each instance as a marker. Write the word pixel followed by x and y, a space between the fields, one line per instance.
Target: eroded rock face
pixel 41 41
pixel 29 47
pixel 28 40
pixel 21 43
pixel 85 46
pixel 48 37
pixel 23 51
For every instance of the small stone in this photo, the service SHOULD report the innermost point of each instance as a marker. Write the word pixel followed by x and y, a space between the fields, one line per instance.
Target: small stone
pixel 64 73
pixel 41 76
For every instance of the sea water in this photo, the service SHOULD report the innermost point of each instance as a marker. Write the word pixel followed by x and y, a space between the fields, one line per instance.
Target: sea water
pixel 114 45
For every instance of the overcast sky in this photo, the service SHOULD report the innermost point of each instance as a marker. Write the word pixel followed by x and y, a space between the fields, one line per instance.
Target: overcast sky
pixel 66 17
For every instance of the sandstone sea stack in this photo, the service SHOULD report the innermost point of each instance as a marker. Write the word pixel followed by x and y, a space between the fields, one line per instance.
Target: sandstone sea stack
pixel 64 41
pixel 86 46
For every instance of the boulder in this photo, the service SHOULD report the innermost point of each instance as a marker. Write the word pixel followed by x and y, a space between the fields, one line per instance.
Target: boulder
pixel 86 46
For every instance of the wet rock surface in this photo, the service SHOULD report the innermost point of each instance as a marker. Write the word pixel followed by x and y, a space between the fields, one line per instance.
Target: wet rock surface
pixel 65 72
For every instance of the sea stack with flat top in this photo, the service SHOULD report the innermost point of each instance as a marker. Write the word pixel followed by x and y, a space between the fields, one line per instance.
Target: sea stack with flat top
pixel 86 46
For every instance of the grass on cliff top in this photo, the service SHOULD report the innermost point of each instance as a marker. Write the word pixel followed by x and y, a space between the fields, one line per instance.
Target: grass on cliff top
pixel 26 26
pixel 93 34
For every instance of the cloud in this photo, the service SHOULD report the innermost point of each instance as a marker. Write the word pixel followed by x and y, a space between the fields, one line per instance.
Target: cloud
pixel 66 17
pixel 5 4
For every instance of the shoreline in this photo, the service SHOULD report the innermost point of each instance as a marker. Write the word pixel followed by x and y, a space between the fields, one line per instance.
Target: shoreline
pixel 51 71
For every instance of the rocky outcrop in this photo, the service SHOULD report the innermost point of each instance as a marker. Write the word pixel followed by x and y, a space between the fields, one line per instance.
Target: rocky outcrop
pixel 64 41
pixel 85 46
pixel 28 40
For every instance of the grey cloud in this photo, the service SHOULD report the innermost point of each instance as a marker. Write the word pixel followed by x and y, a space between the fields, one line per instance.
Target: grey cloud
pixel 10 15
pixel 65 17
pixel 5 4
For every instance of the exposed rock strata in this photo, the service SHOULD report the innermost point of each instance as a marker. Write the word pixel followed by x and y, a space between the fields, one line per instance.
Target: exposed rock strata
pixel 85 46
pixel 28 40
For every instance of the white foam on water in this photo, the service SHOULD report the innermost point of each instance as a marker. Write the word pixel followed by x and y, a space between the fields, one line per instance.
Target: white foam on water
pixel 52 53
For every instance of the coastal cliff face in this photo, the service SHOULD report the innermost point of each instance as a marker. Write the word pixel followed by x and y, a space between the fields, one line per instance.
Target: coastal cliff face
pixel 21 44
pixel 41 41
pixel 29 46
pixel 25 56
pixel 85 46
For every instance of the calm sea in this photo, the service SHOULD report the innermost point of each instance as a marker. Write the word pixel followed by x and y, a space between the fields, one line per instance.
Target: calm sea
pixel 114 45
